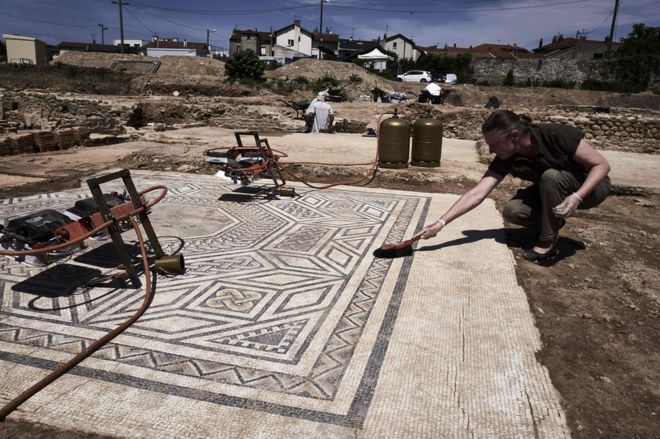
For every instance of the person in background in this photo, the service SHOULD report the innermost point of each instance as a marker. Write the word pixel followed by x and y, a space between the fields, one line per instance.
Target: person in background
pixel 566 172
pixel 319 114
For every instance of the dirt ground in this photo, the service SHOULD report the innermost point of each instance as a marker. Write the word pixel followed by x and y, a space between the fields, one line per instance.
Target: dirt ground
pixel 597 307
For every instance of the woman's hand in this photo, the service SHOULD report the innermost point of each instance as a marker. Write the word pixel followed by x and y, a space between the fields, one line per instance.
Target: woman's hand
pixel 430 230
pixel 567 207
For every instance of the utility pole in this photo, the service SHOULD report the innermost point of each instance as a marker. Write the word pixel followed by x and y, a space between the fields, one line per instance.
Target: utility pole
pixel 208 33
pixel 121 22
pixel 103 29
pixel 321 21
pixel 611 37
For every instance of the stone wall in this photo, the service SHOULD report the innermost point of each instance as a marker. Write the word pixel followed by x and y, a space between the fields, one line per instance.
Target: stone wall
pixel 620 132
pixel 43 111
pixel 494 71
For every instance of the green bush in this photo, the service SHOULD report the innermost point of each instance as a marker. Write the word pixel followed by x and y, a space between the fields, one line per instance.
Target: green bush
pixel 355 79
pixel 461 65
pixel 616 86
pixel 65 77
pixel 559 83
pixel 325 82
pixel 509 79
pixel 301 80
pixel 244 66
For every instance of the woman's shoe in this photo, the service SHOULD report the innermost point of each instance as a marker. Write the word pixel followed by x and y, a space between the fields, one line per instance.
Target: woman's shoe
pixel 533 256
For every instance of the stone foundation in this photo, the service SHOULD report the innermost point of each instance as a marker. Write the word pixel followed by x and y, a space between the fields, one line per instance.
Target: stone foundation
pixel 621 132
pixel 538 70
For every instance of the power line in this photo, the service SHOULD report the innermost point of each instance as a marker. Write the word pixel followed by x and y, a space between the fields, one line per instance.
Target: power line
pixel 426 4
pixel 82 26
pixel 48 22
pixel 449 11
pixel 227 11
pixel 601 23
pixel 167 19
pixel 140 21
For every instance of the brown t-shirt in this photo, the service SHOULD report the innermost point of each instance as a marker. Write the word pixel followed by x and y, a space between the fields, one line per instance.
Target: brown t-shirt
pixel 556 148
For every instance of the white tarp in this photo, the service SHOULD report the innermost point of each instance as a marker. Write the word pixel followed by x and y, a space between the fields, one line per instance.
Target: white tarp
pixel 375 54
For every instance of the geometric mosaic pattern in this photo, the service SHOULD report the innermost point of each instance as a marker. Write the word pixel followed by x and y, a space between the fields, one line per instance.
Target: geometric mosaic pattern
pixel 272 308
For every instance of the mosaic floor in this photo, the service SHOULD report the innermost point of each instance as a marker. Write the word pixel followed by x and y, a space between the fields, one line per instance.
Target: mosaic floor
pixel 284 324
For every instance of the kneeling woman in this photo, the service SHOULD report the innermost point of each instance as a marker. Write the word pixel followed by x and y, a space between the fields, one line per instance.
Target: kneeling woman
pixel 566 172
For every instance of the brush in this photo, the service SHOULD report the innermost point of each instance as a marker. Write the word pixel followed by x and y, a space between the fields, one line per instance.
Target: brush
pixel 390 251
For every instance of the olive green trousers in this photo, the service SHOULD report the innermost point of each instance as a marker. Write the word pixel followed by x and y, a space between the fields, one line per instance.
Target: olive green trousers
pixel 532 206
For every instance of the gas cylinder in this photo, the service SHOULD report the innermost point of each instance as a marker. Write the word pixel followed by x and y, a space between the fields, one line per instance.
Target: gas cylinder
pixel 427 143
pixel 394 143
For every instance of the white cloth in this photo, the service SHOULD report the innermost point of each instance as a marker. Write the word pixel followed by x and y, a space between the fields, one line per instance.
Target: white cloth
pixel 321 111
pixel 434 89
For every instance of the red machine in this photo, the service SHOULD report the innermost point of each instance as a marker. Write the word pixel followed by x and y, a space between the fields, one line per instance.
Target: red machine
pixel 43 237
pixel 249 163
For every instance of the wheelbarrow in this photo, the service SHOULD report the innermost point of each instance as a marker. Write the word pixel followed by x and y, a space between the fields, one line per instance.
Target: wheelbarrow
pixel 298 106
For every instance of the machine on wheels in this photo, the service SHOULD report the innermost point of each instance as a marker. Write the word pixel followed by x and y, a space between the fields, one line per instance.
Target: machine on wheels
pixel 249 163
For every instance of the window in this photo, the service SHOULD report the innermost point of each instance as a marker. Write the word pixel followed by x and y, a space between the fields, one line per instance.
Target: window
pixel 289 43
pixel 262 51
pixel 393 45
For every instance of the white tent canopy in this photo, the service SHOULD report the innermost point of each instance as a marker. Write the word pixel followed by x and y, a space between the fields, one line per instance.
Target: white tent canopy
pixel 375 59
pixel 375 54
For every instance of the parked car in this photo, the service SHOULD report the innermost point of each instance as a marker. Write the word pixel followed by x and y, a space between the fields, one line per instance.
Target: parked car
pixel 437 77
pixel 446 78
pixel 415 76
pixel 450 78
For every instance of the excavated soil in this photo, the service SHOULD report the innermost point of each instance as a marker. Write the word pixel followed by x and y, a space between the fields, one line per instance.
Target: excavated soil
pixel 597 307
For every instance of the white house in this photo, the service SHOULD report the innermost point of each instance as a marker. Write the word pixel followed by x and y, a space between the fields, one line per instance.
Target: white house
pixel 374 59
pixel 403 46
pixel 294 37
pixel 165 51
pixel 130 43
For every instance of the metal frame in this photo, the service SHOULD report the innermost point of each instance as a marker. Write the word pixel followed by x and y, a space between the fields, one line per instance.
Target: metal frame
pixel 95 187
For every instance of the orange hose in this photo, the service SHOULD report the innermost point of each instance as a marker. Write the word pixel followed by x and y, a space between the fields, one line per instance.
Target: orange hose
pixel 96 230
pixel 95 346
pixel 374 170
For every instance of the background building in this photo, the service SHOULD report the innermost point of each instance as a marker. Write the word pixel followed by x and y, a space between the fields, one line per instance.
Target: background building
pixel 402 46
pixel 25 50
pixel 175 47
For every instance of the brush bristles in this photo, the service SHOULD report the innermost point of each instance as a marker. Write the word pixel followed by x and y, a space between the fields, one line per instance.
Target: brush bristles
pixel 390 251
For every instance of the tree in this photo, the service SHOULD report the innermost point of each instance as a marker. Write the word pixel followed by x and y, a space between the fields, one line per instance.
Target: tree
pixel 458 64
pixel 244 65
pixel 641 41
pixel 3 52
pixel 637 60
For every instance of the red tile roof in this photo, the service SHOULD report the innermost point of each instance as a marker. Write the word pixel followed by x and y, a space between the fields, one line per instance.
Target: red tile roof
pixel 263 36
pixel 502 50
pixel 566 43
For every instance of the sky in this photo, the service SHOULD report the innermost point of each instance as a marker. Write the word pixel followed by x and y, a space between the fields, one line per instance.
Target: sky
pixel 430 22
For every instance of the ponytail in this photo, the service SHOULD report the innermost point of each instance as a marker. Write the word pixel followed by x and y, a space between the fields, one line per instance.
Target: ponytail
pixel 505 121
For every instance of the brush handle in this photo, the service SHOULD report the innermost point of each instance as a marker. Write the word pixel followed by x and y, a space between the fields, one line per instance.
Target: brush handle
pixel 409 242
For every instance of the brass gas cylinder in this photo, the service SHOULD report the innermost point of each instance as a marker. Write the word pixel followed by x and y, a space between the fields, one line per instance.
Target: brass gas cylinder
pixel 427 143
pixel 394 143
